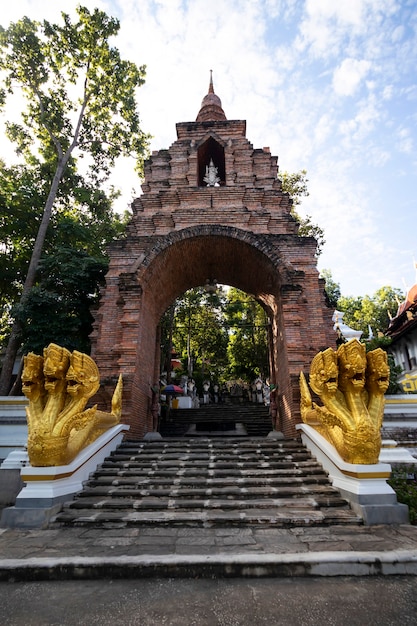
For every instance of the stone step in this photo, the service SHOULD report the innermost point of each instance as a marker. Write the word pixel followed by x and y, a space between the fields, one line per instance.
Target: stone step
pixel 217 418
pixel 205 450
pixel 209 482
pixel 149 463
pixel 232 491
pixel 254 456
pixel 281 480
pixel 151 502
pixel 275 517
pixel 205 474
pixel 181 444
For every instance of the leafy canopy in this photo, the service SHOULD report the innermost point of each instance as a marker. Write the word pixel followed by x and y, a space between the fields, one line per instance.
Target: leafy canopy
pixel 80 115
pixel 374 311
pixel 222 336
pixel 79 92
pixel 332 288
pixel 295 184
pixel 58 307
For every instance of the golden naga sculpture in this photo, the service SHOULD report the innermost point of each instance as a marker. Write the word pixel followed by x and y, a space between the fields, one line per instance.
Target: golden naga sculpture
pixel 351 385
pixel 58 386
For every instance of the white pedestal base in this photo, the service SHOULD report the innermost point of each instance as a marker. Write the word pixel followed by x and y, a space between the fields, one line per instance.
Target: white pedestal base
pixel 364 486
pixel 47 487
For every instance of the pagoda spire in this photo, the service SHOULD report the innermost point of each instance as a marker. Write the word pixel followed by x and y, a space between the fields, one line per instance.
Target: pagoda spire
pixel 211 88
pixel 211 106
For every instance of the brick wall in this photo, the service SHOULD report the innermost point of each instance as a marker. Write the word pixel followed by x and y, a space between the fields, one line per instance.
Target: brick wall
pixel 182 234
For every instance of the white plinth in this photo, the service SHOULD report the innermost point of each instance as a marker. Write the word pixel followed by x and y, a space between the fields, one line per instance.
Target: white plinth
pixel 47 485
pixel 364 486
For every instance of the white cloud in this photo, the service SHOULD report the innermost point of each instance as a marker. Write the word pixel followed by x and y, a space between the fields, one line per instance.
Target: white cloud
pixel 344 11
pixel 404 141
pixel 324 83
pixel 348 76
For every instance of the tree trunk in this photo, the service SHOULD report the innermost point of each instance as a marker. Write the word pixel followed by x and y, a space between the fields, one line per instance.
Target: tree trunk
pixel 14 339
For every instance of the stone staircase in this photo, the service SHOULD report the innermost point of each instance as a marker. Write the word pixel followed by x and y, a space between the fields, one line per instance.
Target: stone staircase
pixel 202 482
pixel 217 419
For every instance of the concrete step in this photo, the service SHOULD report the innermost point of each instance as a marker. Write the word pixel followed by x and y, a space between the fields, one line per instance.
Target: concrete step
pixel 279 479
pixel 218 417
pixel 208 460
pixel 284 517
pixel 209 482
pixel 232 492
pixel 151 501
pixel 204 473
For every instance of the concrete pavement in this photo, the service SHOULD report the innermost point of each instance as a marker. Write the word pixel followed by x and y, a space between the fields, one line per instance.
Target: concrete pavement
pixel 386 601
pixel 209 576
pixel 178 552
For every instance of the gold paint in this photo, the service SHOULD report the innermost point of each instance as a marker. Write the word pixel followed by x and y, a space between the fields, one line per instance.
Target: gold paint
pixel 58 385
pixel 37 477
pixel 351 385
pixel 372 475
pixel 409 384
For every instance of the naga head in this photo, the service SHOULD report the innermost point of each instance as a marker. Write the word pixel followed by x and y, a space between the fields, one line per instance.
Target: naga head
pixel 55 364
pixel 352 366
pixel 324 373
pixel 377 371
pixel 82 377
pixel 32 377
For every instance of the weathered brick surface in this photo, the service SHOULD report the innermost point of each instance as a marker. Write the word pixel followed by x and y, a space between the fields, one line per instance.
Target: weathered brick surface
pixel 182 234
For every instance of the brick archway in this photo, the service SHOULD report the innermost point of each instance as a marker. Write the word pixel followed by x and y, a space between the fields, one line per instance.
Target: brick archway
pixel 180 235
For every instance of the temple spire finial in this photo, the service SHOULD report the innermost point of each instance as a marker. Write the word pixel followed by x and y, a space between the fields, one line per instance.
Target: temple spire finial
pixel 211 107
pixel 211 88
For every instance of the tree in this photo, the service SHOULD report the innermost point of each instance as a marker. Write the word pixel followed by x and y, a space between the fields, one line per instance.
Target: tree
pixel 371 311
pixel 331 288
pixel 219 335
pixel 80 99
pixel 83 220
pixel 57 309
pixel 199 332
pixel 371 315
pixel 248 340
pixel 295 184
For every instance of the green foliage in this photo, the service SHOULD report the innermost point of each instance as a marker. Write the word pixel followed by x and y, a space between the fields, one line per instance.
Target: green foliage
pixel 79 92
pixel 403 481
pixel 332 288
pixel 374 311
pixel 83 219
pixel 58 307
pixel 222 336
pixel 295 184
pixel 80 103
pixel 199 335
pixel 20 190
pixel 248 340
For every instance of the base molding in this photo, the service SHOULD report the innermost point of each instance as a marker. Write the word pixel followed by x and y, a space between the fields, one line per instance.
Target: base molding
pixel 364 486
pixel 46 488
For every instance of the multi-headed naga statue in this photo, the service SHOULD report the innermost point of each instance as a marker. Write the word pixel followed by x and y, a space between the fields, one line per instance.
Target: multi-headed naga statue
pixel 58 386
pixel 351 385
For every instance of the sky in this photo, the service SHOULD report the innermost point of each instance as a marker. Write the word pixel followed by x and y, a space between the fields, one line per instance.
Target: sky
pixel 330 86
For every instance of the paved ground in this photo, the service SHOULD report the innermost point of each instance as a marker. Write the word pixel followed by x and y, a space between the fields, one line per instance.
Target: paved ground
pixel 97 542
pixel 68 553
pixel 386 601
pixel 205 576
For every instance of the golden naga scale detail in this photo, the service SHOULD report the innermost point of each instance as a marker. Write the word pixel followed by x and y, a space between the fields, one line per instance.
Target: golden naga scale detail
pixel 351 385
pixel 58 386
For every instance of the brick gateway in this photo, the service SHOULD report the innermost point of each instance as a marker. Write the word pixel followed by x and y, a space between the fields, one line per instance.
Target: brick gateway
pixel 184 232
